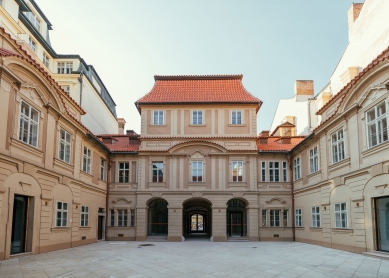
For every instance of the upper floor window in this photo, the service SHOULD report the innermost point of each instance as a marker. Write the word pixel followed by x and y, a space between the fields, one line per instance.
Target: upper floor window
pixel 315 216
pixel 46 60
pixel 274 171
pixel 341 215
pixel 158 117
pixel 28 124
pixel 102 169
pixel 296 168
pixel 61 214
pixel 337 143
pixel 313 160
pixel 65 67
pixel 86 159
pixel 299 218
pixel 197 117
pixel 284 172
pixel 263 171
pixel 33 19
pixel 237 171
pixel 157 171
pixel 236 117
pixel 197 171
pixel 124 172
pixel 84 216
pixel 65 140
pixel 32 44
pixel 377 125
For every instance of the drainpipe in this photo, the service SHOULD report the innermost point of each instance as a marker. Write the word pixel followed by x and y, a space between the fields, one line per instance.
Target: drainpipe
pixel 292 184
pixel 80 79
pixel 107 197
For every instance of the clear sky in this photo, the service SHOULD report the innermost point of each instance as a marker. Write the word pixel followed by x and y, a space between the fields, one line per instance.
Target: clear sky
pixel 272 43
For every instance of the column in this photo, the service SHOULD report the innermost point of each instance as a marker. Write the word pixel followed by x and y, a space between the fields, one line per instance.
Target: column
pixel 175 223
pixel 219 223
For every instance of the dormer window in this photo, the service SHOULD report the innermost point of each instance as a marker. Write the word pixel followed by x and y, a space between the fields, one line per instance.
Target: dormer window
pixel 33 19
pixel 65 67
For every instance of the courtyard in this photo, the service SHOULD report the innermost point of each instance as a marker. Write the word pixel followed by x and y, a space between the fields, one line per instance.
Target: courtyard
pixel 196 259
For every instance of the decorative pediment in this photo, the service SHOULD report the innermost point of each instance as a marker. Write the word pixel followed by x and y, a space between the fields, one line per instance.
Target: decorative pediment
pixel 275 199
pixel 197 154
pixel 121 199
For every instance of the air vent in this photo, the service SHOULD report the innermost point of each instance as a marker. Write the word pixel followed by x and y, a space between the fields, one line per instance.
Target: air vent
pixel 120 235
pixel 83 238
pixel 276 235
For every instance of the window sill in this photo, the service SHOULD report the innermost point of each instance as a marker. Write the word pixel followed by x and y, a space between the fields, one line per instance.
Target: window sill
pixel 299 228
pixel 343 163
pixel 316 229
pixel 158 125
pixel 60 229
pixel 300 179
pixel 237 183
pixel 63 164
pixel 342 230
pixel 314 174
pixel 236 125
pixel 375 149
pixel 86 174
pixel 199 125
pixel 27 147
pixel 197 183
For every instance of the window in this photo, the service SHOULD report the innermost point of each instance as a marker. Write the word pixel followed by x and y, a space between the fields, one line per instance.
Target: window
pixel 102 169
pixel 158 118
pixel 84 216
pixel 236 117
pixel 28 124
pixel 32 44
pixel 124 172
pixel 274 218
pixel 132 223
pixel 237 171
pixel 315 216
pixel 313 160
pixel 298 221
pixel 65 67
pixel 263 171
pixel 157 171
pixel 197 117
pixel 377 125
pixel 62 214
pixel 66 89
pixel 341 215
pixel 33 19
pixel 264 218
pixel 65 140
pixel 274 171
pixel 86 158
pixel 284 172
pixel 197 171
pixel 46 60
pixel 112 217
pixel 337 143
pixel 286 216
pixel 296 167
pixel 122 217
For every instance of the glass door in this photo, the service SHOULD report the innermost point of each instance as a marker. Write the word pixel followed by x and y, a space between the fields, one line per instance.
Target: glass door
pixel 236 224
pixel 19 224
pixel 382 223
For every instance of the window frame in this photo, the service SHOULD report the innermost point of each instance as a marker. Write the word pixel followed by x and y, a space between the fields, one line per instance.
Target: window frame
pixel 112 218
pixel 341 213
pixel 62 211
pixel 160 113
pixel 339 142
pixel 46 60
pixel 32 44
pixel 284 171
pixel 285 217
pixel 158 177
pixel 122 217
pixel 86 160
pixel 66 145
pixel 237 171
pixel 236 111
pixel 298 221
pixel 273 170
pixel 264 217
pixel 376 121
pixel 125 178
pixel 67 67
pixel 195 119
pixel 263 171
pixel 314 158
pixel 273 218
pixel 197 169
pixel 316 217
pixel 102 169
pixel 29 121
pixel 84 222
pixel 297 168
pixel 133 218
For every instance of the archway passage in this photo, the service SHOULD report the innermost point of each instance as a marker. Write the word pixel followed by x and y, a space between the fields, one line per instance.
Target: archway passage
pixel 158 218
pixel 197 219
pixel 236 218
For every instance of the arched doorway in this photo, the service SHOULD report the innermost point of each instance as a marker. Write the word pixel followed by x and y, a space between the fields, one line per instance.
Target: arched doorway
pixel 236 218
pixel 158 218
pixel 197 218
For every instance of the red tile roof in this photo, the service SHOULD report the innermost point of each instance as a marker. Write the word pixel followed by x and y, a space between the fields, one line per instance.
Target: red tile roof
pixel 120 143
pixel 274 144
pixel 198 89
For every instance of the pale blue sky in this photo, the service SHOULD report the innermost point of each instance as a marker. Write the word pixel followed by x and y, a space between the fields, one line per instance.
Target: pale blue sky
pixel 272 43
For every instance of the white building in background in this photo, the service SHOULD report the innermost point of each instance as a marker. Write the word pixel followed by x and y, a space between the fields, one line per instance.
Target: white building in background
pixel 28 25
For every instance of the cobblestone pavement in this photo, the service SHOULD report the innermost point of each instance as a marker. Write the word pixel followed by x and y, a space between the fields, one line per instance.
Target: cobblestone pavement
pixel 196 259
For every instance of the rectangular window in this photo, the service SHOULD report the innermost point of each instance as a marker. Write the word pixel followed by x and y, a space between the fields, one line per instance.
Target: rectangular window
pixel 132 223
pixel 32 44
pixel 122 217
pixel 264 218
pixel 112 217
pixel 46 60
pixel 84 216
pixel 337 146
pixel 341 215
pixel 124 172
pixel 197 171
pixel 158 118
pixel 298 220
pixel 33 19
pixel 315 216
pixel 28 124
pixel 236 117
pixel 263 171
pixel 102 169
pixel 65 140
pixel 313 160
pixel 274 171
pixel 286 217
pixel 66 89
pixel 274 218
pixel 65 67
pixel 377 125
pixel 197 117
pixel 237 171
pixel 284 172
pixel 296 168
pixel 86 158
pixel 62 214
pixel 157 171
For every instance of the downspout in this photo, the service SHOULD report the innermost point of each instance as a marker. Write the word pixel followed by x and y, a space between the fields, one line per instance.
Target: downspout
pixel 80 79
pixel 107 197
pixel 292 187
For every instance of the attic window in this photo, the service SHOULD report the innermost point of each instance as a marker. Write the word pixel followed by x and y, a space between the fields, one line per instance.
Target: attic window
pixel 286 131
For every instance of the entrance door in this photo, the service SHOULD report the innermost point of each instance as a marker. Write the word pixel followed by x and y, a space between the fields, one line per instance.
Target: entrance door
pixel 382 223
pixel 19 224
pixel 100 226
pixel 197 223
pixel 236 224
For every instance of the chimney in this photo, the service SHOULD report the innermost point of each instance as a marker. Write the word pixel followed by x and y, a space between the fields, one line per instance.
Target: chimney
pixel 353 13
pixel 121 124
pixel 303 88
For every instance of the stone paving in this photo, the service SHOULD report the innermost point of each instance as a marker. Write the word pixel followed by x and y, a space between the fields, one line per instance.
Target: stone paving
pixel 196 259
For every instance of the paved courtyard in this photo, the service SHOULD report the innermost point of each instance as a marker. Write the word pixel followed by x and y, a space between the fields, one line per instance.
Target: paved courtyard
pixel 196 259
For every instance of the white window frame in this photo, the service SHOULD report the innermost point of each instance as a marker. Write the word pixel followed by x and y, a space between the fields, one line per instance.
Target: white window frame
pixel 284 171
pixel 337 146
pixel 273 218
pixel 102 169
pixel 198 167
pixel 32 44
pixel 46 60
pixel 63 212
pixel 197 117
pixel 379 123
pixel 316 219
pixel 84 216
pixel 122 218
pixel 30 122
pixel 298 217
pixel 123 172
pixel 34 20
pixel 64 67
pixel 274 171
pixel 158 117
pixel 86 160
pixel 64 146
pixel 158 169
pixel 236 117
pixel 239 169
pixel 314 160
pixel 297 168
pixel 341 215
pixel 263 171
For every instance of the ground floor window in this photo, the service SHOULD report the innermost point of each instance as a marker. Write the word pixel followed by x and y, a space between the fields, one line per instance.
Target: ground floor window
pixel 275 218
pixel 132 223
pixel 298 221
pixel 84 216
pixel 285 218
pixel 382 223
pixel 315 217
pixel 122 217
pixel 111 217
pixel 264 217
pixel 341 215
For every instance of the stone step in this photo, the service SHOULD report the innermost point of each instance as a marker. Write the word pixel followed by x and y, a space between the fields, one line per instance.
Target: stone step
pixel 378 255
pixel 237 239
pixel 156 238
